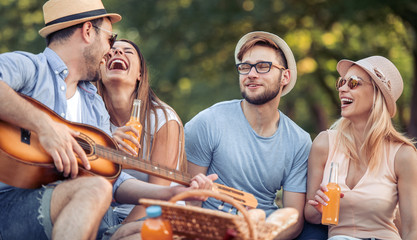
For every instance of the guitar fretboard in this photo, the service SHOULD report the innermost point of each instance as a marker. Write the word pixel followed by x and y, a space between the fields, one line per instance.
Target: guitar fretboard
pixel 148 167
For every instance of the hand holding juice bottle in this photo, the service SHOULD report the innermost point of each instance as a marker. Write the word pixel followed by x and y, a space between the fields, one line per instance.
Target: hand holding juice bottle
pixel 135 122
pixel 330 215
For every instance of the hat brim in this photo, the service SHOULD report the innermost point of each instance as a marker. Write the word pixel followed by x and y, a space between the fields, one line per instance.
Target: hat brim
pixel 343 67
pixel 44 32
pixel 292 66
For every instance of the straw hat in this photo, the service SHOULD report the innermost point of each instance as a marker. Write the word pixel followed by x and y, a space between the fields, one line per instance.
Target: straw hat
pixel 385 75
pixel 292 66
pixel 60 14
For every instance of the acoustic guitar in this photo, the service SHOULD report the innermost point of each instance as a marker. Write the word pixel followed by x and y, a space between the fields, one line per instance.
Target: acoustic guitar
pixel 25 164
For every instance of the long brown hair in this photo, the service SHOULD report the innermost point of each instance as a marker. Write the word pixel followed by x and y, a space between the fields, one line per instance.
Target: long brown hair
pixel 150 103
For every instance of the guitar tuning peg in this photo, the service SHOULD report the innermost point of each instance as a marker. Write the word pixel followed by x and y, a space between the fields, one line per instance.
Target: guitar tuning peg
pixel 221 206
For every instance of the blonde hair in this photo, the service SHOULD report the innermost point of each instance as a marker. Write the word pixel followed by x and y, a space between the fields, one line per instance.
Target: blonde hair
pixel 150 104
pixel 379 130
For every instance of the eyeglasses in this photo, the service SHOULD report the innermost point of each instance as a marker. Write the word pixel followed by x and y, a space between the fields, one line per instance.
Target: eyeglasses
pixel 352 82
pixel 260 67
pixel 113 37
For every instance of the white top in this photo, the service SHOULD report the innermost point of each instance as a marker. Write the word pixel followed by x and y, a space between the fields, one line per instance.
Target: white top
pixel 122 210
pixel 171 115
pixel 74 108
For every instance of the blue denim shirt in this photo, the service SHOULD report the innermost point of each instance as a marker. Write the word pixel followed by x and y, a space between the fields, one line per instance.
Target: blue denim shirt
pixel 42 77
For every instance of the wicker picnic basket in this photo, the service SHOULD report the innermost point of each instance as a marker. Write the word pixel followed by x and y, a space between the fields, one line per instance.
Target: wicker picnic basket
pixel 190 222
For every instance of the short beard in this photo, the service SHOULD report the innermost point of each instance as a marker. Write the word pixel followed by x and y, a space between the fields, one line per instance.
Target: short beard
pixel 262 99
pixel 94 77
pixel 265 97
pixel 93 70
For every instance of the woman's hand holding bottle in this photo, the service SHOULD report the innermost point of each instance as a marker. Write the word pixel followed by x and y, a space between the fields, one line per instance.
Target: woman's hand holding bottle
pixel 123 133
pixel 128 137
pixel 327 198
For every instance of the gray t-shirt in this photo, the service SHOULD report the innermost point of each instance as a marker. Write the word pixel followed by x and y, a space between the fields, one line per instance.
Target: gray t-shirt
pixel 222 139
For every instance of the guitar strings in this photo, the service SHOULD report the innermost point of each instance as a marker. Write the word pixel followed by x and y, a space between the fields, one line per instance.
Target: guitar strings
pixel 114 153
pixel 132 161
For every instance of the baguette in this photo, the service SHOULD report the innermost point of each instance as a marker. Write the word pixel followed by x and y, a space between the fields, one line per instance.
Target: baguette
pixel 257 215
pixel 283 217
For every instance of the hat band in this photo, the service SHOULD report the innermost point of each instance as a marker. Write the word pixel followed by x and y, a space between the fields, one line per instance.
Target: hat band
pixel 78 16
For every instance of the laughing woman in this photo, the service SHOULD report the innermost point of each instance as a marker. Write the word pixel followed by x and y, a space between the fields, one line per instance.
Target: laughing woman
pixel 377 165
pixel 125 78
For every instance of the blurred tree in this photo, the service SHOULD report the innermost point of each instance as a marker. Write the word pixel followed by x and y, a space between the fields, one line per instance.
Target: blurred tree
pixel 393 25
pixel 20 22
pixel 407 10
pixel 189 45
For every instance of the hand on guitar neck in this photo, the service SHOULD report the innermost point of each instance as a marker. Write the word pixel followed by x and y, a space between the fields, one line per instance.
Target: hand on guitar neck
pixel 25 164
pixel 185 179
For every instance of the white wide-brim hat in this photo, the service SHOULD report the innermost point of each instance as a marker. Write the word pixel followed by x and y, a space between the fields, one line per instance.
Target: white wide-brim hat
pixel 60 14
pixel 292 66
pixel 383 72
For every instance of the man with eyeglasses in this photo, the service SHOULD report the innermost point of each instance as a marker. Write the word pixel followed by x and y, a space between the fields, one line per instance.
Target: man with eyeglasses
pixel 249 143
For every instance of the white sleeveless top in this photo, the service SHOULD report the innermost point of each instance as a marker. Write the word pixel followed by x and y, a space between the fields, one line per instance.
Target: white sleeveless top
pixel 122 210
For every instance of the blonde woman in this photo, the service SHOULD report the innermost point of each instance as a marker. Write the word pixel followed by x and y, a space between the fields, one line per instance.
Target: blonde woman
pixel 377 164
pixel 125 78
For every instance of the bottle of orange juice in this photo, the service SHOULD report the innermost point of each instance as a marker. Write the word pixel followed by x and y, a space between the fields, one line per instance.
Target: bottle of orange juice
pixel 135 122
pixel 330 215
pixel 154 227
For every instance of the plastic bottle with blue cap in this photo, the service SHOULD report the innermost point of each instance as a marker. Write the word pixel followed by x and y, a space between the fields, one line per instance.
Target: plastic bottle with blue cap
pixel 154 227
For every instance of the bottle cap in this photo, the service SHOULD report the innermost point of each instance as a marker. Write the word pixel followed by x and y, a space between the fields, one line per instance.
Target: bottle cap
pixel 153 211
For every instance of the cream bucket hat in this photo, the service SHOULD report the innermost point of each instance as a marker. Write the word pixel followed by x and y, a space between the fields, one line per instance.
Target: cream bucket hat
pixel 383 72
pixel 292 66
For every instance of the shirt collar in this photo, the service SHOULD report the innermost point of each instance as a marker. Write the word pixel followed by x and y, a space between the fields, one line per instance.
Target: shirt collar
pixel 88 88
pixel 59 67
pixel 56 63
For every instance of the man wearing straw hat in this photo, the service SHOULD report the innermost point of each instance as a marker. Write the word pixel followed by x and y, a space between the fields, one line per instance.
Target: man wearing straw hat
pixel 249 143
pixel 78 33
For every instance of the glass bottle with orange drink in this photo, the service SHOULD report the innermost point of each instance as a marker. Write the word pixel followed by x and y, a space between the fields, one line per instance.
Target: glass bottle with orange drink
pixel 135 122
pixel 154 227
pixel 330 215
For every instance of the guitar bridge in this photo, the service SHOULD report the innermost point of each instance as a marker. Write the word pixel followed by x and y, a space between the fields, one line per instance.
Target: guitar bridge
pixel 25 136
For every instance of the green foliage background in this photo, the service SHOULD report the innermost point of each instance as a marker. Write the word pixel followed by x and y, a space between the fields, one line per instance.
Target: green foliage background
pixel 189 46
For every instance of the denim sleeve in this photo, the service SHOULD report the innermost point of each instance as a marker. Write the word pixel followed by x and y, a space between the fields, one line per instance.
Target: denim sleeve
pixel 16 69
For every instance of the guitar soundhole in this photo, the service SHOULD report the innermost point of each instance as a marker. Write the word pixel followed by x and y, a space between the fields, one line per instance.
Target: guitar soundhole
pixel 85 145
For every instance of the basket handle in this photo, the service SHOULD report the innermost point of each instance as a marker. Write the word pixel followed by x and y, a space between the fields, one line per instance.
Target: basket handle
pixel 222 197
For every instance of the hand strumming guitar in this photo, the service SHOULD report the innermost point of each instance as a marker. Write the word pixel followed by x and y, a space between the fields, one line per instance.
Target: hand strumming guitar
pixel 58 140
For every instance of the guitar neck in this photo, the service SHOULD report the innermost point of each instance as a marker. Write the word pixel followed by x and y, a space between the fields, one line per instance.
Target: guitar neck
pixel 128 161
pixel 155 169
pixel 99 146
pixel 148 167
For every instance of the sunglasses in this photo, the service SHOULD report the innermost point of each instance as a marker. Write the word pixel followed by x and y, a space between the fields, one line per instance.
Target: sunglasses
pixel 353 82
pixel 113 37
